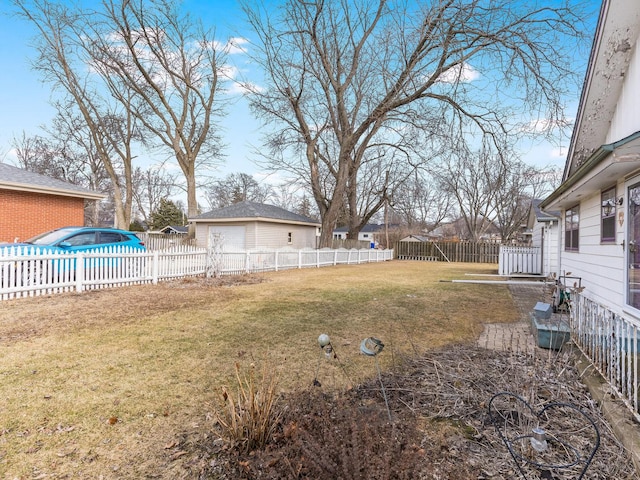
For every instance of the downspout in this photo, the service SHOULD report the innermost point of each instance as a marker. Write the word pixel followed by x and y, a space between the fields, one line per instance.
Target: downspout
pixel 543 249
pixel 559 247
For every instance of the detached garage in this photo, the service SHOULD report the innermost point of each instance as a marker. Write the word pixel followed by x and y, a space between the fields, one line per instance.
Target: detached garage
pixel 250 225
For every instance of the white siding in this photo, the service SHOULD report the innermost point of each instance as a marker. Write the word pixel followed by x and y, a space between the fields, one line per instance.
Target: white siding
pixel 601 266
pixel 536 234
pixel 233 236
pixel 626 119
pixel 545 236
pixel 203 229
pixel 260 234
pixel 276 235
pixel 550 262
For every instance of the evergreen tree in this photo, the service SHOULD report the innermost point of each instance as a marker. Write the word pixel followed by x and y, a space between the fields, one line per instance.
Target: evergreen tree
pixel 167 213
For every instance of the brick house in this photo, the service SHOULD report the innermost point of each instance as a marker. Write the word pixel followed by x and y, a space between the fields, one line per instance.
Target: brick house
pixel 31 203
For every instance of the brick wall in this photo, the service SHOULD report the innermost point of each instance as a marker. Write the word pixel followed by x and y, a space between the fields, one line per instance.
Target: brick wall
pixel 25 214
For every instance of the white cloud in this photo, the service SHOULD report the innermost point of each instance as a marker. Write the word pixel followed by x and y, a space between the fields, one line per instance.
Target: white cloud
pixel 542 125
pixel 236 45
pixel 560 152
pixel 244 88
pixel 459 73
pixel 233 46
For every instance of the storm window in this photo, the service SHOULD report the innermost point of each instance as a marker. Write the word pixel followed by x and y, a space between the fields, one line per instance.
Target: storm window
pixel 608 216
pixel 572 228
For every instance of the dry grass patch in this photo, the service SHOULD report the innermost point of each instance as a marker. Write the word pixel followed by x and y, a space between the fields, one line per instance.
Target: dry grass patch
pixel 115 383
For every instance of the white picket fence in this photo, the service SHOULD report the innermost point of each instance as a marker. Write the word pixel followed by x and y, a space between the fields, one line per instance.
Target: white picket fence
pixel 27 273
pixel 523 260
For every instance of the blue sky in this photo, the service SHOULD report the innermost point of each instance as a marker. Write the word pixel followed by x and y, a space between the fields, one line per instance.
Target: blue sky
pixel 24 99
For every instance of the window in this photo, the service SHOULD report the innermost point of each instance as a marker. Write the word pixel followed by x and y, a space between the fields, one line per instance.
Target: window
pixel 85 238
pixel 608 216
pixel 290 238
pixel 110 237
pixel 571 228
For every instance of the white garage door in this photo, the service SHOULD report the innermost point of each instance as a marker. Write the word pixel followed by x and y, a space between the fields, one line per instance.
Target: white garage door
pixel 232 237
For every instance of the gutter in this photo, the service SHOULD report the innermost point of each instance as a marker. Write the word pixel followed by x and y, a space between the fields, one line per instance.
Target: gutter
pixel 599 155
pixel 596 157
pixel 52 191
pixel 243 220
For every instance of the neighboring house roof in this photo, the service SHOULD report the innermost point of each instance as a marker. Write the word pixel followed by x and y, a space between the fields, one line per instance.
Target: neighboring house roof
pixel 368 228
pixel 415 238
pixel 13 178
pixel 459 227
pixel 251 211
pixel 174 229
pixel 541 215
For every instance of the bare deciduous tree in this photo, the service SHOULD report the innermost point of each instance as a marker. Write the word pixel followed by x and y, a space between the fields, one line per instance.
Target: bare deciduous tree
pixel 237 187
pixel 150 187
pixel 474 180
pixel 67 153
pixel 64 55
pixel 421 204
pixel 522 183
pixel 347 78
pixel 172 67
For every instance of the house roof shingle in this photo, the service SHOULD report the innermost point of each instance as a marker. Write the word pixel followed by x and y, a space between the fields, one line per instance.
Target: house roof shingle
pixel 253 211
pixel 14 178
pixel 542 215
pixel 368 228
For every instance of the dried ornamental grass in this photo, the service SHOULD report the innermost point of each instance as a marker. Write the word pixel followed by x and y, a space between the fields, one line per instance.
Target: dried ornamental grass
pixel 248 415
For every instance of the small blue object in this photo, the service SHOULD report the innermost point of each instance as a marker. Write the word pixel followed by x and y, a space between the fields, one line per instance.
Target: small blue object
pixel 542 311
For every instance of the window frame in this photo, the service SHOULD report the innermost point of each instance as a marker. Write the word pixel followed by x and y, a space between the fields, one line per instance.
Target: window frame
pixel 608 200
pixel 572 229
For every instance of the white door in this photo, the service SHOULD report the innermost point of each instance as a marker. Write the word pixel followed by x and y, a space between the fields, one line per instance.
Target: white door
pixel 232 238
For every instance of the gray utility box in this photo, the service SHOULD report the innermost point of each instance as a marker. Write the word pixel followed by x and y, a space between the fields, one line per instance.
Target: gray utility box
pixel 542 311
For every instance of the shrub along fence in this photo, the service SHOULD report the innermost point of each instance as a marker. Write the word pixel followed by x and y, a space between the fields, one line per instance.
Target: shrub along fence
pixel 26 272
pixel 469 252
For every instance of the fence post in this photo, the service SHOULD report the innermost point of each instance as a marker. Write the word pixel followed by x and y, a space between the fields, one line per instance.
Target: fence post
pixel 276 260
pixel 79 271
pixel 317 258
pixel 155 267
pixel 299 259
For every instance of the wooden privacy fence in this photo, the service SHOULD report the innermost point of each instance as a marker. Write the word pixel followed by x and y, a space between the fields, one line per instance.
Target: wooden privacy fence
pixel 469 252
pixel 25 272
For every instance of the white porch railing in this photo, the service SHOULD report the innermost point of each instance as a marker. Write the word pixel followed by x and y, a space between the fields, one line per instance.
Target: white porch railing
pixel 519 260
pixel 26 273
pixel 611 342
